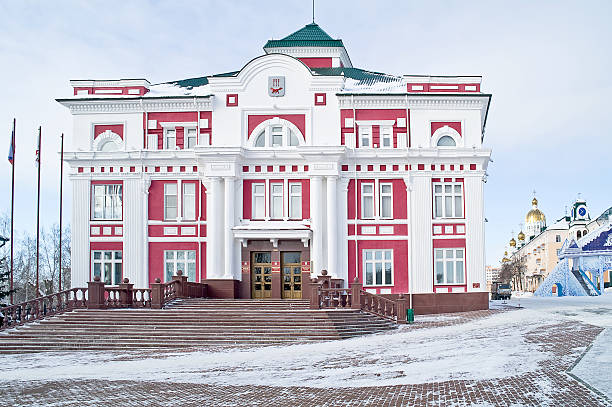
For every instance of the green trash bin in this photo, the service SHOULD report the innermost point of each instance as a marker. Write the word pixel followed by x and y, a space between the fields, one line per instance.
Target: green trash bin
pixel 410 316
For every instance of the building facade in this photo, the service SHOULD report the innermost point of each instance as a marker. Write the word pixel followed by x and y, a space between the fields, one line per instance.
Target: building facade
pixel 254 180
pixel 541 245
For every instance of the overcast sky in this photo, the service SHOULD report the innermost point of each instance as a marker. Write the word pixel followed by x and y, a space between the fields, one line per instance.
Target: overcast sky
pixel 547 65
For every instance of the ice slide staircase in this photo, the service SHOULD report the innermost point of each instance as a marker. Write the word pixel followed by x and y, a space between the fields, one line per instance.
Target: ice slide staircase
pixel 191 324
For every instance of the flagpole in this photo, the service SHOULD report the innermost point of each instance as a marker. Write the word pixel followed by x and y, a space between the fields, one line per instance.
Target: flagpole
pixel 38 212
pixel 60 209
pixel 12 206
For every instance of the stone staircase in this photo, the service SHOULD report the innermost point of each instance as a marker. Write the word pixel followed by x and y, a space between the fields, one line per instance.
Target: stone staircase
pixel 191 324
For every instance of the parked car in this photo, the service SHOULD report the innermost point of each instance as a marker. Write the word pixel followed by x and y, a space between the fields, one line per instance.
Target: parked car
pixel 500 291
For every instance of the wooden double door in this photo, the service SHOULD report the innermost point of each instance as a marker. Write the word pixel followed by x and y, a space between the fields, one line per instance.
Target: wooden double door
pixel 262 280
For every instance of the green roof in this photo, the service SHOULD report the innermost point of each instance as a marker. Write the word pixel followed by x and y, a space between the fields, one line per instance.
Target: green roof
pixel 310 36
pixel 191 82
pixel 364 77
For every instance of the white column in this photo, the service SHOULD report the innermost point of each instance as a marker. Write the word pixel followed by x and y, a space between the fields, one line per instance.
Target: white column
pixel 343 232
pixel 133 240
pixel 146 184
pixel 214 221
pixel 79 242
pixel 229 224
pixel 332 226
pixel 474 229
pixel 316 215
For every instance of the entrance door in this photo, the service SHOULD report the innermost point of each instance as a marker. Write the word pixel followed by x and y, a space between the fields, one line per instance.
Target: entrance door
pixel 261 275
pixel 292 274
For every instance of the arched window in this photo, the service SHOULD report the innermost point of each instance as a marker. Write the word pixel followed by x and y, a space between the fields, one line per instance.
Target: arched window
pixel 579 234
pixel 446 141
pixel 108 141
pixel 445 137
pixel 276 133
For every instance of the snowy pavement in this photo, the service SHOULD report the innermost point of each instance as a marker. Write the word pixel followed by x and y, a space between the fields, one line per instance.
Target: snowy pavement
pixel 506 356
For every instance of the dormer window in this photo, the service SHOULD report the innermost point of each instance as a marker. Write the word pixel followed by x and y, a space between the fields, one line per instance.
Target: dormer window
pixel 276 133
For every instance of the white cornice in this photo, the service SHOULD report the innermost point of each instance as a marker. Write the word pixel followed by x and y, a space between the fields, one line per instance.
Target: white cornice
pixel 136 105
pixel 427 101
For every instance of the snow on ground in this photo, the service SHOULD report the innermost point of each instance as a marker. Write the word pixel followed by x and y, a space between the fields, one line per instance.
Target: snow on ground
pixel 406 356
pixel 595 367
pixel 487 348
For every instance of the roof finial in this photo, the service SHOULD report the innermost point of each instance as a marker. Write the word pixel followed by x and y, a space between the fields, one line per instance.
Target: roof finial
pixel 313 5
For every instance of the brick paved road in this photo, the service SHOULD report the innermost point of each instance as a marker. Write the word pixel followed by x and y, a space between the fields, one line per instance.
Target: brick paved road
pixel 549 385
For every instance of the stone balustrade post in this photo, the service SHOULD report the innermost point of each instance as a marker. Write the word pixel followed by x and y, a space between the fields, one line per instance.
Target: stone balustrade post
pixel 324 279
pixel 181 287
pixel 401 309
pixel 315 302
pixel 126 293
pixel 157 294
pixel 356 294
pixel 95 294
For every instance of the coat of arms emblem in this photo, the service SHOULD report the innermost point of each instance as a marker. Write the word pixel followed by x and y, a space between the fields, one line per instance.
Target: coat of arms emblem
pixel 276 86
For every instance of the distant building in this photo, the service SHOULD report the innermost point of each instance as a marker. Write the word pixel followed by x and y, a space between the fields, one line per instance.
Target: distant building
pixel 541 244
pixel 492 275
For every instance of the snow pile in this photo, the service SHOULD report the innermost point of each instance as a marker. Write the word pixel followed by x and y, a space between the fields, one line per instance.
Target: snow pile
pixel 171 89
pixel 395 85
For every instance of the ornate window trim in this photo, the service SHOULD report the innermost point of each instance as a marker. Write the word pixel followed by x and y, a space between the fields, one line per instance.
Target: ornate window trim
pixel 266 126
pixel 107 136
pixel 446 131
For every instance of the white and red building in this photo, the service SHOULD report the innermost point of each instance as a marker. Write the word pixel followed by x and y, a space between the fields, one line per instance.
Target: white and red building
pixel 255 179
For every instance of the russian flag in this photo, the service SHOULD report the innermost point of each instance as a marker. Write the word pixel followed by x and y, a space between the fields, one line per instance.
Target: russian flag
pixel 11 154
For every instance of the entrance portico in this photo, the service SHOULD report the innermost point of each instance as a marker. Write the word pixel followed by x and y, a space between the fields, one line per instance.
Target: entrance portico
pixel 275 263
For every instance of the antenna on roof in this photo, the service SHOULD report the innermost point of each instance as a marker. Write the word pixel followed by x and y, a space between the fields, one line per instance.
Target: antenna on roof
pixel 313 5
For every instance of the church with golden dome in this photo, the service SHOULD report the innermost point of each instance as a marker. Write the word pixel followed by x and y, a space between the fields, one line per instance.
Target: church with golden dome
pixel 540 244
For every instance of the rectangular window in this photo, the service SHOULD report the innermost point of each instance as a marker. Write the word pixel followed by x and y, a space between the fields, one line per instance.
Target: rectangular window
pixel 170 139
pixel 184 260
pixel 386 136
pixel 295 200
pixel 277 136
pixel 386 201
pixel 448 200
pixel 107 264
pixel 367 201
pixel 276 201
pixel 558 238
pixel 189 203
pixel 449 266
pixel 107 201
pixel 170 201
pixel 191 138
pixel 378 267
pixel 365 136
pixel 259 201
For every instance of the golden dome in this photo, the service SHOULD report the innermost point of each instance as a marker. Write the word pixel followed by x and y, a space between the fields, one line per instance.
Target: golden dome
pixel 521 235
pixel 512 242
pixel 535 215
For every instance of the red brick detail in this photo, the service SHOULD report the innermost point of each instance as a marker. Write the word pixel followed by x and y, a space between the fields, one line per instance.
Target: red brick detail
pixel 305 168
pixel 473 167
pixel 182 168
pixel 258 168
pixel 80 169
pixel 270 168
pixel 156 169
pixel 345 168
pixel 383 168
pixel 294 168
pixel 370 168
pixel 132 169
pixel 281 168
pixel 396 168
pixel 245 168
pixel 421 167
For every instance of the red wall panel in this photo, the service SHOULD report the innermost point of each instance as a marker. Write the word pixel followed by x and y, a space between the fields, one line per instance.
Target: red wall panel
pixel 317 62
pixel 400 262
pixel 156 257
